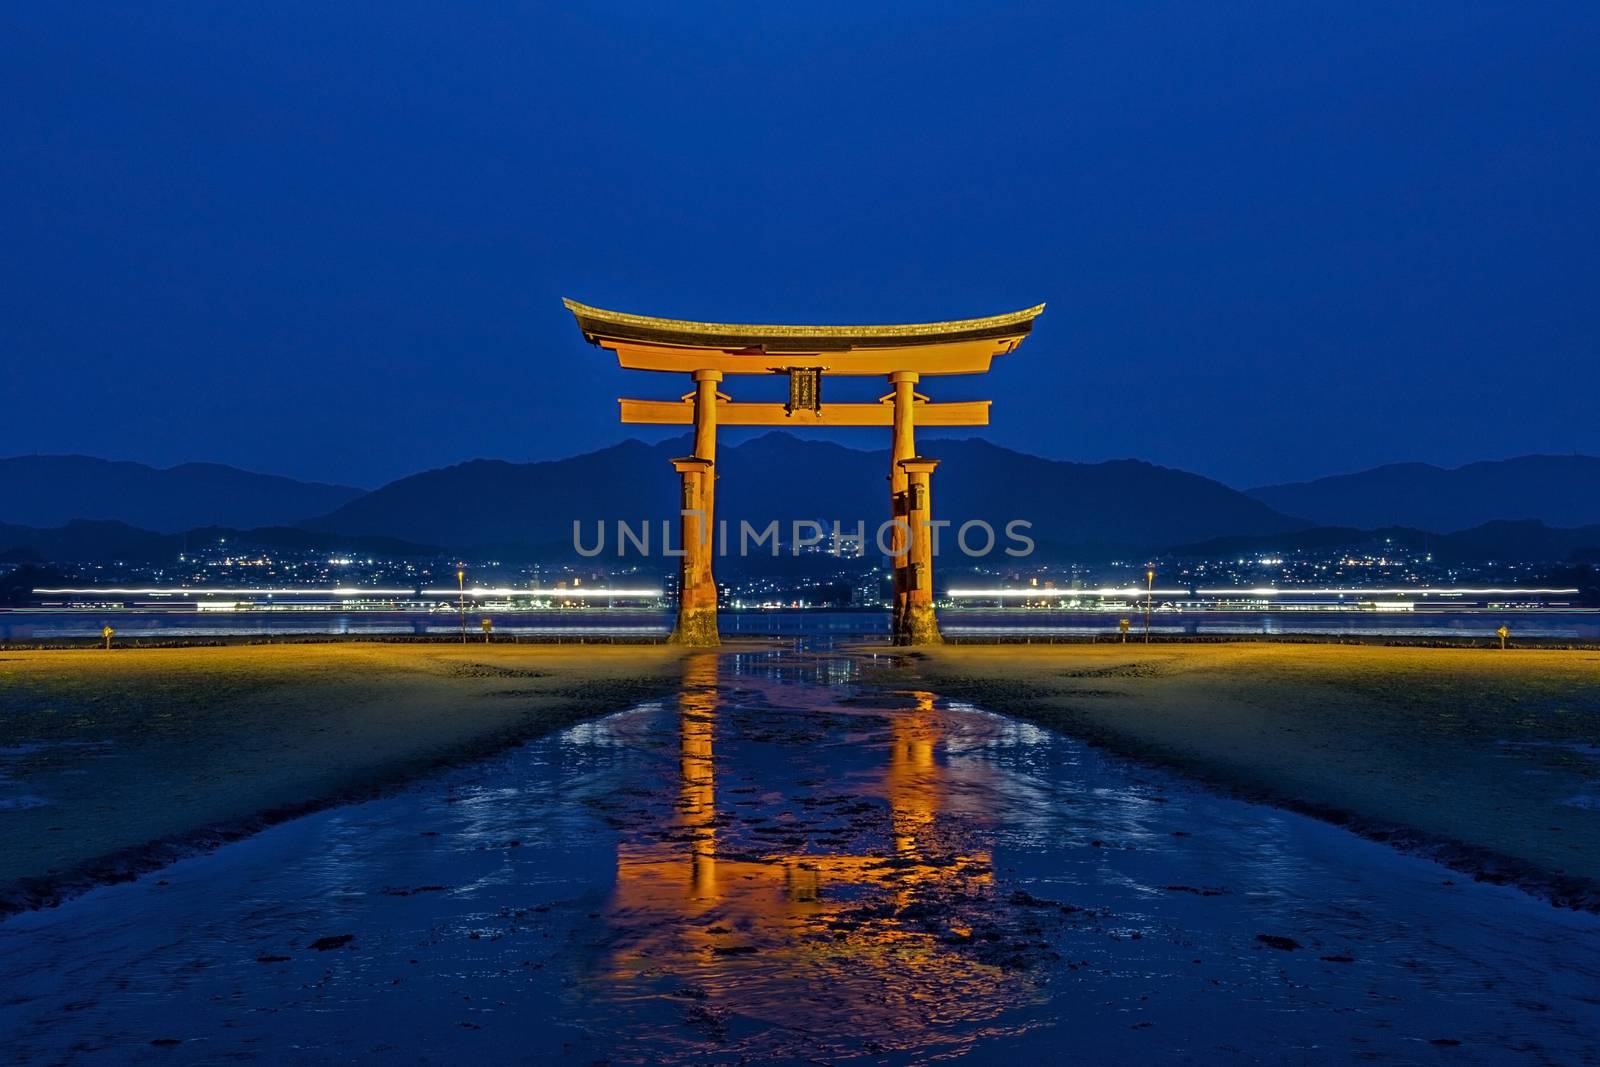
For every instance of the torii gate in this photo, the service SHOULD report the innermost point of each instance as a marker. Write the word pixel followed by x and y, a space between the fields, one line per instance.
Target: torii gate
pixel 709 351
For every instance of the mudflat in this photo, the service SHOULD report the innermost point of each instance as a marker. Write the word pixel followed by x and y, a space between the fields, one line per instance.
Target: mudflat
pixel 114 762
pixel 1488 760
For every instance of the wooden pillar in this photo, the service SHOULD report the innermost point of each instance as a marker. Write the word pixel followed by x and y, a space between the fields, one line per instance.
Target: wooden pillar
pixel 697 592
pixel 918 626
pixel 697 586
pixel 903 448
pixel 705 437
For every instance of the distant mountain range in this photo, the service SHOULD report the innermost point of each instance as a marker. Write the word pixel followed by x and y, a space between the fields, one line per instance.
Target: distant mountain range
pixel 1555 490
pixel 43 491
pixel 72 508
pixel 1120 505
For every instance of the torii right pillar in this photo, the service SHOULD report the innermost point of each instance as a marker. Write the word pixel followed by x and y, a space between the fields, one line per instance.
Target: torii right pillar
pixel 903 447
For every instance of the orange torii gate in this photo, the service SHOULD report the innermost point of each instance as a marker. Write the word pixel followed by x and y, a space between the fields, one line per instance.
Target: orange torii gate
pixel 709 351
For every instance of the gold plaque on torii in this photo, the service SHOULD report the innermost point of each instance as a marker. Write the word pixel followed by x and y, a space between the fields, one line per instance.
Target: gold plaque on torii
pixel 805 389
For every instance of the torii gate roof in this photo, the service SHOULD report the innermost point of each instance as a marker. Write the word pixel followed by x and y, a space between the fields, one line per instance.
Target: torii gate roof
pixel 961 346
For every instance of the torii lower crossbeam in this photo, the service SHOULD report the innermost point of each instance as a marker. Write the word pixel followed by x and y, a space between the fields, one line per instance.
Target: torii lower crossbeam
pixel 681 413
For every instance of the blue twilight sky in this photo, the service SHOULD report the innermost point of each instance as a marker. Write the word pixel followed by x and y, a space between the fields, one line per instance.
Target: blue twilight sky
pixel 330 240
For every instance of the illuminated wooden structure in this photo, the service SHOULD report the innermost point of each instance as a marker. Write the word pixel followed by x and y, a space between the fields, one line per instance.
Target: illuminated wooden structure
pixel 708 352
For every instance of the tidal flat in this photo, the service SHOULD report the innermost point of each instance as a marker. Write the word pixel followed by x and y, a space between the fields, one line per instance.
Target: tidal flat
pixel 790 862
pixel 1487 761
pixel 116 762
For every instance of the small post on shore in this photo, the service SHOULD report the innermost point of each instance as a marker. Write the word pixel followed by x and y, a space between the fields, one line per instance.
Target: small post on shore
pixel 488 628
pixel 108 633
pixel 1149 592
pixel 461 600
pixel 1503 633
pixel 1123 625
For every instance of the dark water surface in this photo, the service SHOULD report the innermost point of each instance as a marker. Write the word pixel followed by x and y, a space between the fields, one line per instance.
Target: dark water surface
pixel 783 865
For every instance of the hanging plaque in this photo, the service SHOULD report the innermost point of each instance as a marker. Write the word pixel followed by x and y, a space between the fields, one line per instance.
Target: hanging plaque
pixel 805 389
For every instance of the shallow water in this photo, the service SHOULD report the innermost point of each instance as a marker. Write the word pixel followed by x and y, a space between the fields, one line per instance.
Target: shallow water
pixel 783 865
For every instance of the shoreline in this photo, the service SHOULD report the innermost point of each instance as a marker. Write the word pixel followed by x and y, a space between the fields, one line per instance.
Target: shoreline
pixel 130 762
pixel 134 640
pixel 867 642
pixel 1386 640
pixel 1347 743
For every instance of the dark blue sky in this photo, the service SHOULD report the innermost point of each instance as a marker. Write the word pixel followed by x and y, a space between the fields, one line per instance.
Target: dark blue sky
pixel 330 240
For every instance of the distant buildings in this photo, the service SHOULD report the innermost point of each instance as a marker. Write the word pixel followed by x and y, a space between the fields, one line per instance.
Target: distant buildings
pixel 224 577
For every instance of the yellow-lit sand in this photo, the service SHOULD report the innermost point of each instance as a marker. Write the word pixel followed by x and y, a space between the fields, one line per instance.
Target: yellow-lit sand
pixel 1489 760
pixel 131 755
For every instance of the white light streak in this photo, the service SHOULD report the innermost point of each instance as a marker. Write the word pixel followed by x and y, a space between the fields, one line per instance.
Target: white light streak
pixel 1009 594
pixel 346 590
pixel 1263 591
pixel 1408 591
pixel 580 593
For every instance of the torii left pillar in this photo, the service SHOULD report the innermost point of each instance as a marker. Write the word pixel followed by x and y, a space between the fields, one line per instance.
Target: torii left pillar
pixel 917 624
pixel 697 591
pixel 697 587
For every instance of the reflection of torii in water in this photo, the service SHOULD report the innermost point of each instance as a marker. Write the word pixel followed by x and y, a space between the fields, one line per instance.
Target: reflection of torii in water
pixel 685 905
pixel 697 804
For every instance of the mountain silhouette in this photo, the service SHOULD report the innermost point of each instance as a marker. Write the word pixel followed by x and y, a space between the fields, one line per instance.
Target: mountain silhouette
pixel 49 491
pixel 1123 503
pixel 1561 491
pixel 79 508
pixel 492 502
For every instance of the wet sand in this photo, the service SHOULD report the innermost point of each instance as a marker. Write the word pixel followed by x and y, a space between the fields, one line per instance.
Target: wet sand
pixel 1488 761
pixel 786 863
pixel 114 763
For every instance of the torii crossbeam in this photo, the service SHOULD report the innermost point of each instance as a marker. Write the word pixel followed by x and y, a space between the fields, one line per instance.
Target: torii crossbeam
pixel 903 354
